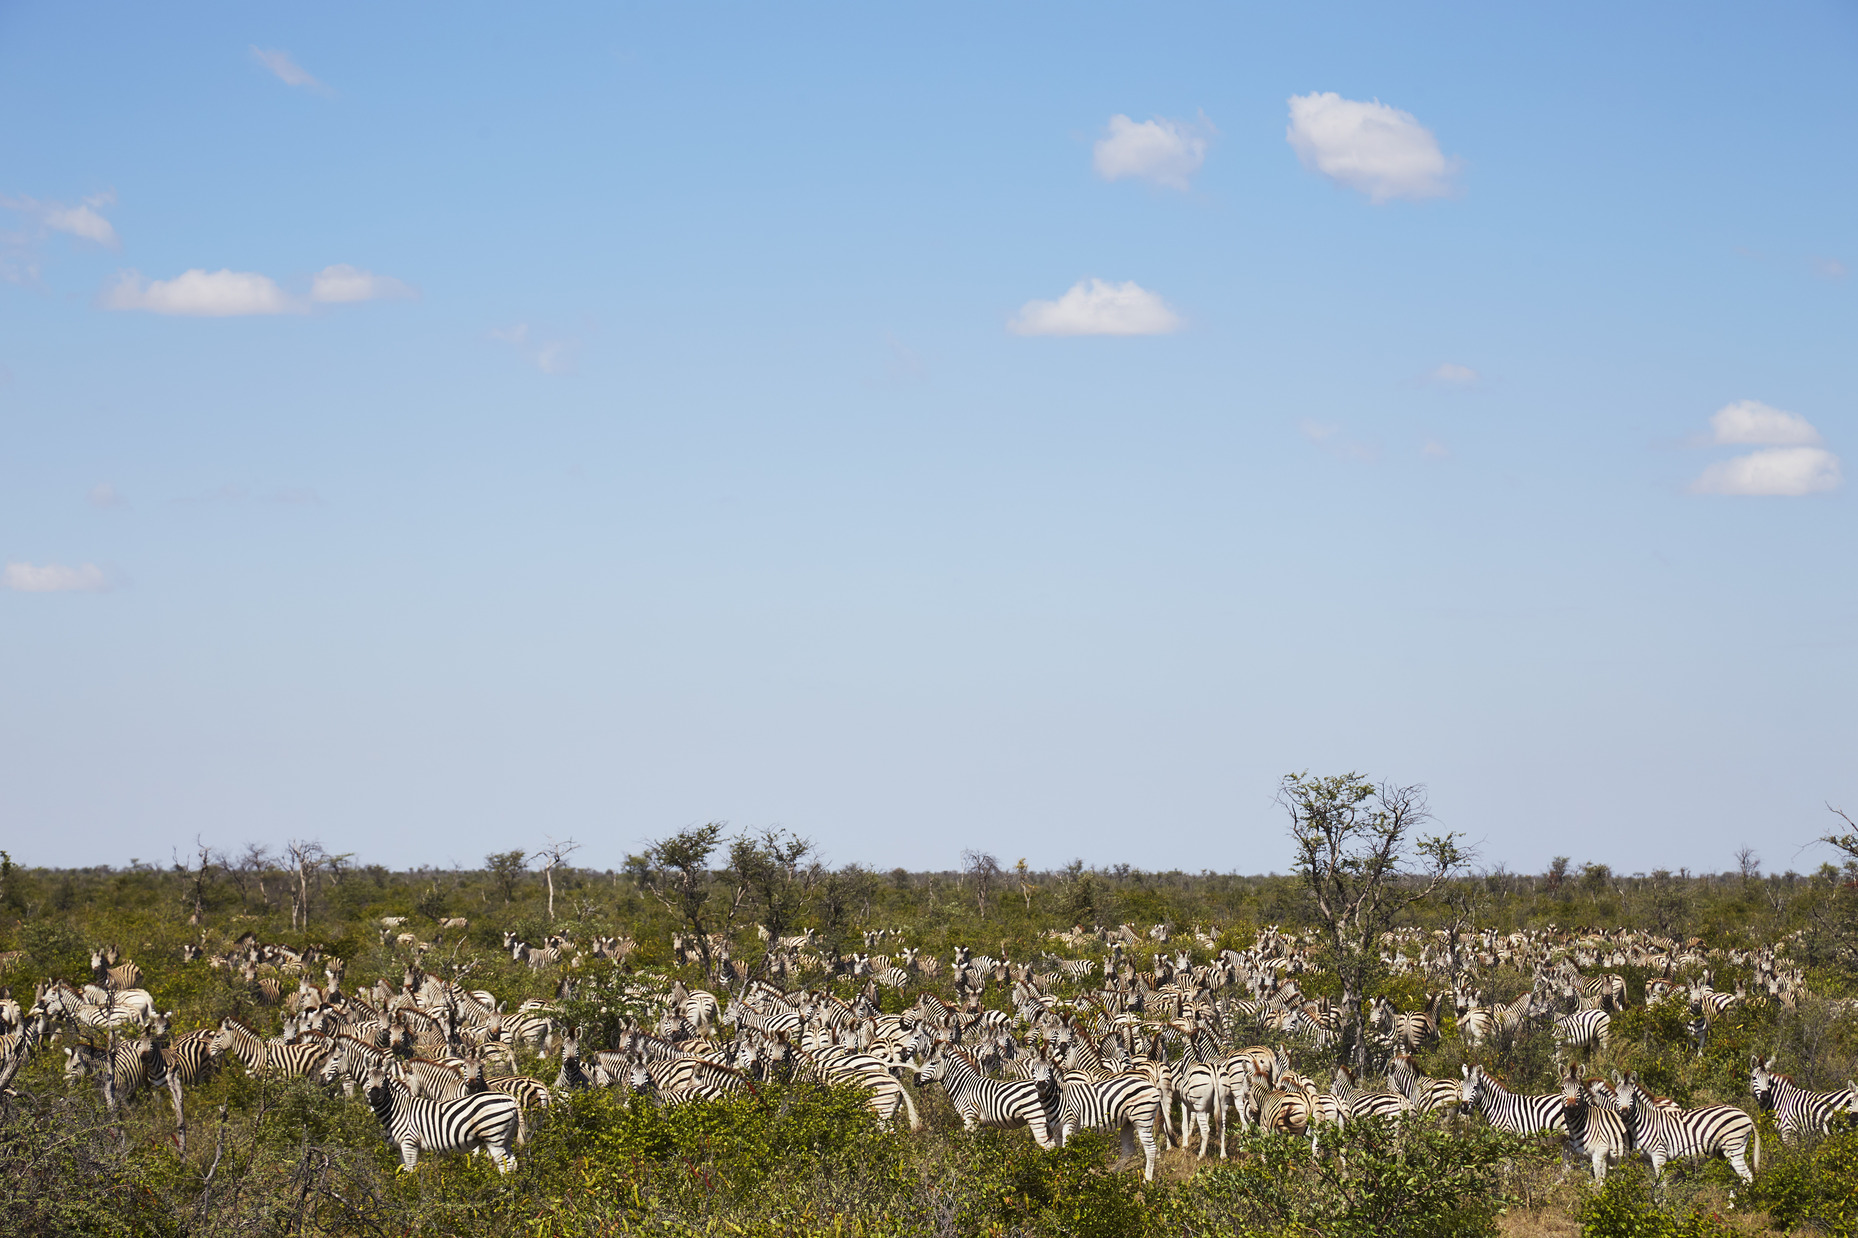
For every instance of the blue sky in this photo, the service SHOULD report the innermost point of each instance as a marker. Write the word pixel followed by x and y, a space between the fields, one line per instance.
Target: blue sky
pixel 1031 428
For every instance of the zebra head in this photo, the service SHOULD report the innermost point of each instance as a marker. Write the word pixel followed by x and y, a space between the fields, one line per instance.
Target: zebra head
pixel 1629 1093
pixel 640 1080
pixel 930 1069
pixel 1761 1079
pixel 222 1039
pixel 1474 1082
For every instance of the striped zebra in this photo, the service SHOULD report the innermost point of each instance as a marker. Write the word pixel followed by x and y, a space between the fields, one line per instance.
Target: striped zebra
pixel 484 1122
pixel 295 1059
pixel 1511 1112
pixel 1795 1109
pixel 865 1072
pixel 1127 1102
pixel 1668 1134
pixel 986 1102
pixel 1584 1030
pixel 111 975
pixel 1360 1103
pixel 1596 1129
pixel 124 1070
pixel 1427 1095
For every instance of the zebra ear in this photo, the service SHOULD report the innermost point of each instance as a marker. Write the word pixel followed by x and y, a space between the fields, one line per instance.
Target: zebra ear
pixel 1464 1070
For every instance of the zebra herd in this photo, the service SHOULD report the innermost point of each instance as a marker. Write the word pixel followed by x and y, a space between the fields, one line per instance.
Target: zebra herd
pixel 1154 1053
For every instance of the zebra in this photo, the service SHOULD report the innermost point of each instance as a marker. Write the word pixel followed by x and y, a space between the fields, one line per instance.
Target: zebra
pixel 481 1122
pixel 986 1102
pixel 1796 1109
pixel 1510 1112
pixel 1595 1127
pixel 868 1073
pixel 1358 1103
pixel 125 1068
pixel 1584 1029
pixel 1427 1095
pixel 1666 1134
pixel 111 975
pixel 303 1058
pixel 1127 1102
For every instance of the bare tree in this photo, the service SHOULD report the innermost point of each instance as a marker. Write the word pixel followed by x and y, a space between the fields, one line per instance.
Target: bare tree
pixel 1354 841
pixel 307 860
pixel 1847 842
pixel 197 878
pixel 984 869
pixel 1748 864
pixel 1024 875
pixel 555 854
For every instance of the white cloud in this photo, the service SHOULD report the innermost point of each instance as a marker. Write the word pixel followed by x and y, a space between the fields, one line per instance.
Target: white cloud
pixel 1331 439
pixel 103 494
pixel 287 70
pixel 549 356
pixel 54 578
pixel 1160 150
pixel 1379 150
pixel 1780 471
pixel 1750 422
pixel 1454 375
pixel 343 284
pixel 204 294
pixel 1094 307
pixel 83 221
pixel 1829 268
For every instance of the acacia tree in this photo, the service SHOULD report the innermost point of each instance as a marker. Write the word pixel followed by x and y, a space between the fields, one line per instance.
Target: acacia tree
pixel 1363 863
pixel 675 871
pixel 770 868
pixel 506 868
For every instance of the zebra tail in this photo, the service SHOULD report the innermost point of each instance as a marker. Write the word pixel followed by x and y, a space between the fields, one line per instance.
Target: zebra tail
pixel 1757 1156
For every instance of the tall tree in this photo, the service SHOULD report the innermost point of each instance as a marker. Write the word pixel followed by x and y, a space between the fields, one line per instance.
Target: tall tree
pixel 772 868
pixel 506 868
pixel 676 872
pixel 1364 863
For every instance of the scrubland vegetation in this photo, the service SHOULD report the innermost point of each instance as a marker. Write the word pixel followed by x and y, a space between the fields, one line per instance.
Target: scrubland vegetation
pixel 265 1153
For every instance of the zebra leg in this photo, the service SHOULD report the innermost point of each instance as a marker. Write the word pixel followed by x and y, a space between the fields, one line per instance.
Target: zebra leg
pixel 909 1107
pixel 1204 1121
pixel 409 1155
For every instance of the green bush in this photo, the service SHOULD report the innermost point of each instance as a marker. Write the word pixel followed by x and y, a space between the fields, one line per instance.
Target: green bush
pixel 1815 1185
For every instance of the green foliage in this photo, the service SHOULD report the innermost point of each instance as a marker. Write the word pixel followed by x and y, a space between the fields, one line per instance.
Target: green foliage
pixel 1815 1185
pixel 1628 1207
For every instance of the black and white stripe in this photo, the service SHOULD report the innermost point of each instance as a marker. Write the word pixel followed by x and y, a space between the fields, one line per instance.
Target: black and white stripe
pixel 986 1102
pixel 481 1122
pixel 1127 1102
pixel 1668 1134
pixel 1795 1109
pixel 1510 1111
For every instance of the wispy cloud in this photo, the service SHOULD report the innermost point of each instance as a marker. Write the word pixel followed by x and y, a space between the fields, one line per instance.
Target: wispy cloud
pixel 552 357
pixel 1094 307
pixel 1167 152
pixel 343 284
pixel 1791 463
pixel 1368 146
pixel 1829 268
pixel 19 250
pixel 200 293
pixel 288 71
pixel 54 578
pixel 1332 440
pixel 103 494
pixel 1451 374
